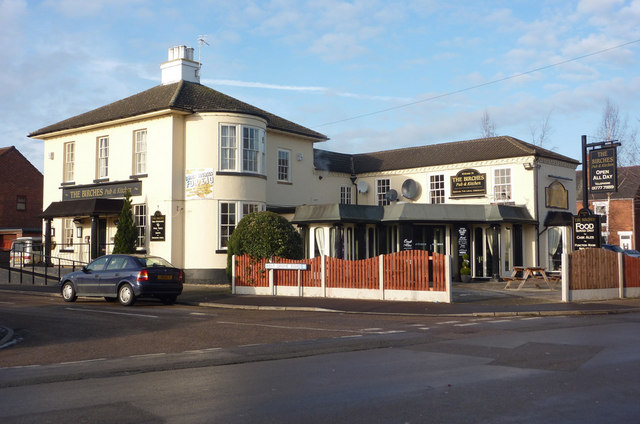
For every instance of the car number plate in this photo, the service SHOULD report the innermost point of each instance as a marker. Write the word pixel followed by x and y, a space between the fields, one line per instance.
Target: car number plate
pixel 165 277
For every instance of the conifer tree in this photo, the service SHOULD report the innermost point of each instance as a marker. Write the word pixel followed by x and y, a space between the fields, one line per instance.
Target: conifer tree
pixel 126 233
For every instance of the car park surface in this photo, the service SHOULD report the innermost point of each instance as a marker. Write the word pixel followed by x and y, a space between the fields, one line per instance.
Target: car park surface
pixel 124 278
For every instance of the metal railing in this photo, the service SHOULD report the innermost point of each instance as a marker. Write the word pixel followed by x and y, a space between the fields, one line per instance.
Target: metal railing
pixel 34 266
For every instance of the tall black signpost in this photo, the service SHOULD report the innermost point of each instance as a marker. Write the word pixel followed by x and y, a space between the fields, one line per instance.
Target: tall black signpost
pixel 600 176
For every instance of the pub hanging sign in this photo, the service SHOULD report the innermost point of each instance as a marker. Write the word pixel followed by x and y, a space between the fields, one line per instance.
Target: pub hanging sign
pixel 602 170
pixel 468 182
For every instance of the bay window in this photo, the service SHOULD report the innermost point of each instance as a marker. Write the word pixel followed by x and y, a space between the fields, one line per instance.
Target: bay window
pixel 248 156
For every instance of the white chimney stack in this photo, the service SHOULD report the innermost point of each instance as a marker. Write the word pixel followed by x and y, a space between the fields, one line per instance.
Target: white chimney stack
pixel 180 66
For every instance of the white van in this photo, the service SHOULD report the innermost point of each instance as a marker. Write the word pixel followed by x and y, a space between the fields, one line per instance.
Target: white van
pixel 25 251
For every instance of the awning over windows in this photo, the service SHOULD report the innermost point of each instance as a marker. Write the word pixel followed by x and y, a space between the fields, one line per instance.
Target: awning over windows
pixel 83 207
pixel 413 212
pixel 558 219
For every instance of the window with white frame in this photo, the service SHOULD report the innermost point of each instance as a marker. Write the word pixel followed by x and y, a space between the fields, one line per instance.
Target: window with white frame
pixel 252 143
pixel 69 160
pixel 227 222
pixel 284 165
pixel 140 219
pixel 382 187
pixel 247 156
pixel 230 214
pixel 67 233
pixel 345 195
pixel 140 152
pixel 103 157
pixel 502 184
pixel 228 148
pixel 602 209
pixel 436 188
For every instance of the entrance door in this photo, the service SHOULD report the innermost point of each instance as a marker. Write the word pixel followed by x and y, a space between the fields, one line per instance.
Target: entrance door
pixel 483 251
pixel 102 237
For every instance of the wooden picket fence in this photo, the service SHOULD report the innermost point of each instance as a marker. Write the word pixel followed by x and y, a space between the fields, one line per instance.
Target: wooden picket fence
pixel 406 275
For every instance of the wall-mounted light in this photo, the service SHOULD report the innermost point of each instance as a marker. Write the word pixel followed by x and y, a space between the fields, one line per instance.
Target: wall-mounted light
pixel 528 165
pixel 79 232
pixel 300 156
pixel 51 155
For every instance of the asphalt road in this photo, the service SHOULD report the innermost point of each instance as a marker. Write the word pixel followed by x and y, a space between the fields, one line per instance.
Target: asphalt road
pixel 92 361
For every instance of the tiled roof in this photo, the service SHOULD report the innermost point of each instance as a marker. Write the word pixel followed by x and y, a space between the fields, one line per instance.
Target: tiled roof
pixel 432 155
pixel 182 96
pixel 450 153
pixel 323 160
pixel 628 185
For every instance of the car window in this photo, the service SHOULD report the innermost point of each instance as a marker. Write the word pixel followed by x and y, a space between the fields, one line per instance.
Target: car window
pixel 117 262
pixel 98 264
pixel 18 247
pixel 151 261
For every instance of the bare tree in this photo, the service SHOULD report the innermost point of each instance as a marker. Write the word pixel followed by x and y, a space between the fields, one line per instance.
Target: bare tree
pixel 615 127
pixel 487 125
pixel 540 135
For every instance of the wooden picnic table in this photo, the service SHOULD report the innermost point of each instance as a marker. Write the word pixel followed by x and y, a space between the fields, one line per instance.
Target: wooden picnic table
pixel 522 274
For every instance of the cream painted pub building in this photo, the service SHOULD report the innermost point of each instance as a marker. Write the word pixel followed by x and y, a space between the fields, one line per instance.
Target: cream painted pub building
pixel 195 161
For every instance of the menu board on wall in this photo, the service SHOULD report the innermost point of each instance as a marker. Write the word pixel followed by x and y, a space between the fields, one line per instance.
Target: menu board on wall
pixel 468 182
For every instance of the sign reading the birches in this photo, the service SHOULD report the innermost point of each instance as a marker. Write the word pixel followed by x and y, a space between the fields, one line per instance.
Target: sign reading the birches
pixel 602 170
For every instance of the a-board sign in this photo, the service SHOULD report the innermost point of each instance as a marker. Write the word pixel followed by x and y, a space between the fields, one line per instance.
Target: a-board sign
pixel 586 230
pixel 302 267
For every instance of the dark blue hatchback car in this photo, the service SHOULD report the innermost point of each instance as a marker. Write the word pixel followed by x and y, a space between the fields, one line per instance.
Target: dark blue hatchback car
pixel 125 278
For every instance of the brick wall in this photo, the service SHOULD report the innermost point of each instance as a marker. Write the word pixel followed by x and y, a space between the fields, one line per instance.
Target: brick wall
pixel 18 177
pixel 622 214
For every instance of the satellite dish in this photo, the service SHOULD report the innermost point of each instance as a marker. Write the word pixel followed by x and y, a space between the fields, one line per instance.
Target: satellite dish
pixel 392 195
pixel 410 189
pixel 362 186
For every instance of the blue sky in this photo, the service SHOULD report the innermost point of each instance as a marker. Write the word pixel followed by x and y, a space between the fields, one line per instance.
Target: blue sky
pixel 371 75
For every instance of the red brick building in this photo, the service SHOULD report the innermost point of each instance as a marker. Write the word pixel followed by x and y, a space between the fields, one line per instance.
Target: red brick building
pixel 20 197
pixel 619 211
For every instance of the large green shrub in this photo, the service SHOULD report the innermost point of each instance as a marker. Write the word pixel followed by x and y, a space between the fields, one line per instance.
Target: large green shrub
pixel 263 235
pixel 126 234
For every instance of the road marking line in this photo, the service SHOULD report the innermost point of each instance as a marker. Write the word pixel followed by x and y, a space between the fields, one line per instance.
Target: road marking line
pixel 111 312
pixel 498 321
pixel 352 336
pixel 289 327
pixel 87 361
pixel 424 328
pixel 447 322
pixel 147 355
pixel 466 325
pixel 530 318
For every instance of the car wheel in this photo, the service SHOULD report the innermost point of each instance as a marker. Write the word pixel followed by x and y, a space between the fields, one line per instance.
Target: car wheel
pixel 126 295
pixel 169 300
pixel 68 292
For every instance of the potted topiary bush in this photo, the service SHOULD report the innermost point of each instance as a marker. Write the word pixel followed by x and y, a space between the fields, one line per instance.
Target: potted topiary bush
pixel 465 270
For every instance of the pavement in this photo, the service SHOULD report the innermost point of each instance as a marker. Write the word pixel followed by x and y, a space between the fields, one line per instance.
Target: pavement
pixel 478 299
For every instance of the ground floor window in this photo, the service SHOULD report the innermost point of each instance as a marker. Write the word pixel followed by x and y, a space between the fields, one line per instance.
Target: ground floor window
pixel 230 213
pixel 554 239
pixel 67 233
pixel 140 219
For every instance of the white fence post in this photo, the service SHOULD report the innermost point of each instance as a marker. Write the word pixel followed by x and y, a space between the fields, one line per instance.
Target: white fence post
pixel 381 275
pixel 323 276
pixel 233 274
pixel 620 275
pixel 447 276
pixel 565 278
